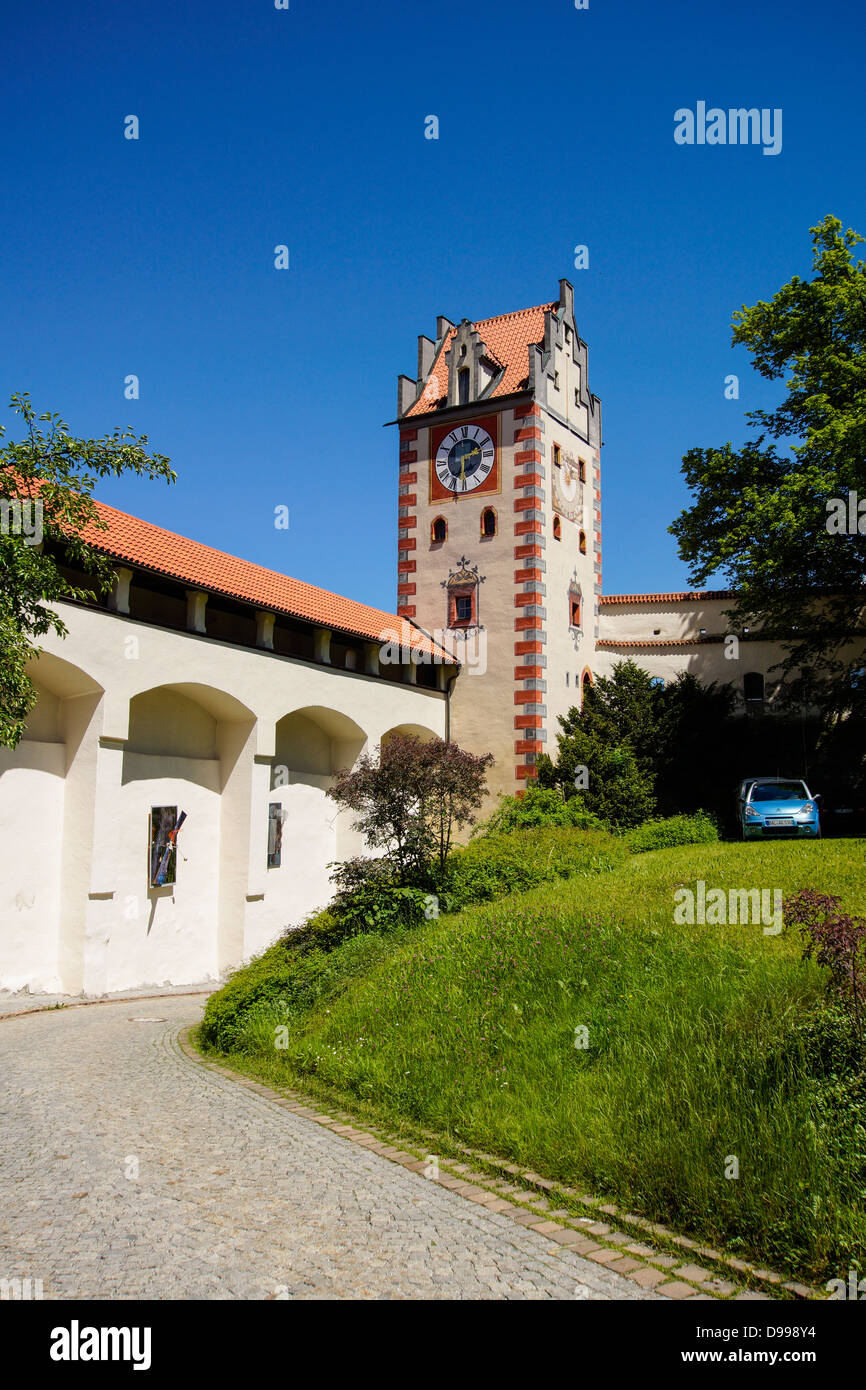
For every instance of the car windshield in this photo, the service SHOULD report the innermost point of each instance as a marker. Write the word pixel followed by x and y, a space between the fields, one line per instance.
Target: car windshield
pixel 779 791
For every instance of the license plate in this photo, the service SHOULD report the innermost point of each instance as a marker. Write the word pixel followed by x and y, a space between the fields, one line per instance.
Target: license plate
pixel 779 822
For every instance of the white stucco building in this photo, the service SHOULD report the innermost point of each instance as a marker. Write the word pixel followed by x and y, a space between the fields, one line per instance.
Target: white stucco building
pixel 207 686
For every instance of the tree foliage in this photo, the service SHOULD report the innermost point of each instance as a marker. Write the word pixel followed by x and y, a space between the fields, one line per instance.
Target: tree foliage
pixel 409 800
pixel 762 514
pixel 642 745
pixel 53 475
pixel 539 806
pixel 605 749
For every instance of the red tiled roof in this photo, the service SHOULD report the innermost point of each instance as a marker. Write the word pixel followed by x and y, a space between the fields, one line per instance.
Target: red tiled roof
pixel 507 339
pixel 139 543
pixel 683 597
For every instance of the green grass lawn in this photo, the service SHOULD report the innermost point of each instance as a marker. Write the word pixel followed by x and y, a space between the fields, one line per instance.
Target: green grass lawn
pixel 702 1046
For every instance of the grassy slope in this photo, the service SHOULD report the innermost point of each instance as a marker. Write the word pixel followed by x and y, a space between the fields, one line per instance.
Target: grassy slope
pixel 468 1026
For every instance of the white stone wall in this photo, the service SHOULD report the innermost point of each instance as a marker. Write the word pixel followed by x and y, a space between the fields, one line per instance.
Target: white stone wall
pixel 664 622
pixel 132 716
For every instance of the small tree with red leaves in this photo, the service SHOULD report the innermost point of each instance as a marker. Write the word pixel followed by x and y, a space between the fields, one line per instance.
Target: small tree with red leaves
pixel 835 939
pixel 410 799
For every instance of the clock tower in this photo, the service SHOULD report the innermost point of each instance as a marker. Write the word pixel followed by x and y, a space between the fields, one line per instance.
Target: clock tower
pixel 499 531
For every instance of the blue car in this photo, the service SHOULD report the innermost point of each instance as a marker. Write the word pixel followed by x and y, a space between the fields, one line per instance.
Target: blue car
pixel 777 808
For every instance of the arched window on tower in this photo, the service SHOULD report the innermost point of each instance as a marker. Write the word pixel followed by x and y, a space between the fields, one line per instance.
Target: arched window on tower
pixel 488 522
pixel 753 688
pixel 574 610
pixel 463 386
pixel 583 542
pixel 439 531
pixel 557 529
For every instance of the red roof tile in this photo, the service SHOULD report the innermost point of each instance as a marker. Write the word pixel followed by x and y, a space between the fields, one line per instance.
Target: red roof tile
pixel 684 597
pixel 139 543
pixel 507 339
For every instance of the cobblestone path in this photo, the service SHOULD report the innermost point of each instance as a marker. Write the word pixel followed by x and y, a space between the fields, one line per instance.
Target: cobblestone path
pixel 128 1170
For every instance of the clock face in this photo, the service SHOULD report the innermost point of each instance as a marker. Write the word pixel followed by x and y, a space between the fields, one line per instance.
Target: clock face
pixel 464 458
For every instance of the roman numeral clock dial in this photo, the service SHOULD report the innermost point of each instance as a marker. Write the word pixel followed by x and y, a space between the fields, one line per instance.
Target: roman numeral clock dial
pixel 464 459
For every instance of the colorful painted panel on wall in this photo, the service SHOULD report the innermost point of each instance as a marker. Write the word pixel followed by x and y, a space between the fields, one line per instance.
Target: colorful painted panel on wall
pixel 164 826
pixel 275 834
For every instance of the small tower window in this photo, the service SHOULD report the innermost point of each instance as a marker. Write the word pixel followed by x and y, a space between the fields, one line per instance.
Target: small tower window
pixel 581 470
pixel 576 396
pixel 557 456
pixel 463 386
pixel 557 529
pixel 462 607
pixel 583 542
pixel 488 522
pixel 556 381
pixel 574 606
pixel 439 531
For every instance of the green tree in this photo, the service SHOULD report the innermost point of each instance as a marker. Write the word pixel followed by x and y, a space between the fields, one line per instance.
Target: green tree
pixel 612 737
pixel 646 746
pixel 409 800
pixel 765 516
pixel 695 738
pixel 47 519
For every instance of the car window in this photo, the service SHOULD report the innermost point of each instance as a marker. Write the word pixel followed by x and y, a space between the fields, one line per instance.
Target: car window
pixel 779 791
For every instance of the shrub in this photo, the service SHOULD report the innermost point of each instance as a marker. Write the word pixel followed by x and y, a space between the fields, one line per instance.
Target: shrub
pixel 835 939
pixel 410 797
pixel 539 806
pixel 369 899
pixel 697 829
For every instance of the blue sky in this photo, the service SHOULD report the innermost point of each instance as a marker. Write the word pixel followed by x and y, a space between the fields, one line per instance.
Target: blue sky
pixel 305 127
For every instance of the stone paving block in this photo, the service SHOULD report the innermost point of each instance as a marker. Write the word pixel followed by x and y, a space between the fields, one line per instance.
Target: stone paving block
pixel 801 1290
pixel 647 1278
pixel 605 1257
pixel 566 1236
pixel 718 1286
pixel 626 1264
pixel 675 1289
